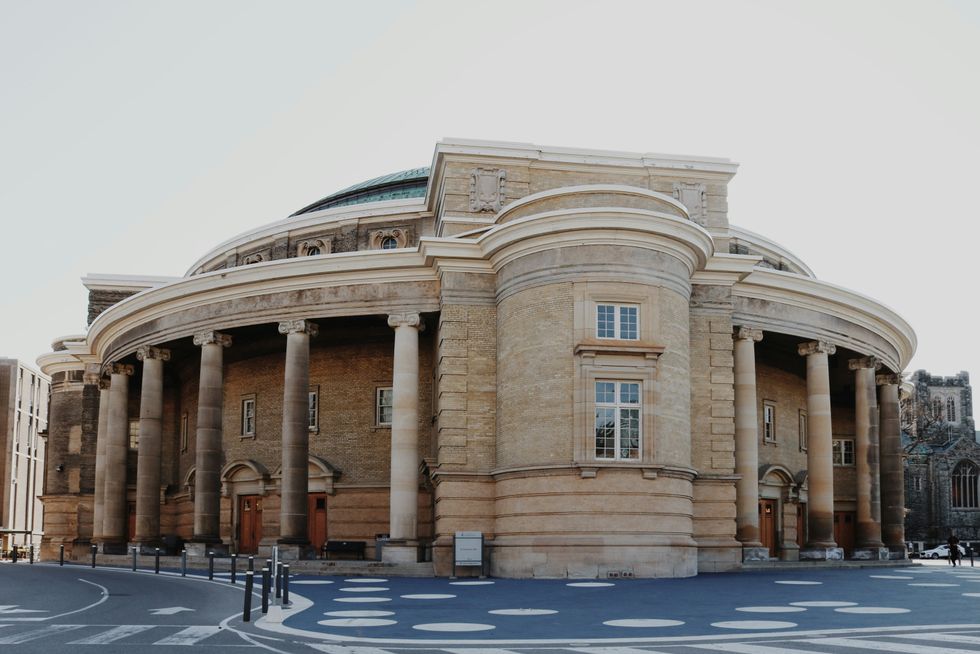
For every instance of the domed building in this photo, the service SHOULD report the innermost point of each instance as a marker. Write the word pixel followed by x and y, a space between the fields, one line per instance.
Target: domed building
pixel 571 352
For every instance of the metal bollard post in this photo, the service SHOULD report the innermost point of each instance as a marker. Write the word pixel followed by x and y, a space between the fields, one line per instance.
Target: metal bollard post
pixel 285 585
pixel 183 563
pixel 278 580
pixel 13 555
pixel 30 554
pixel 61 555
pixel 95 548
pixel 251 564
pixel 247 610
pixel 156 561
pixel 134 559
pixel 211 566
pixel 265 590
pixel 234 561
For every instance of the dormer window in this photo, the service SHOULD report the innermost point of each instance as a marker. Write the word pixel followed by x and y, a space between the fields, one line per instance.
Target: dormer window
pixel 389 243
pixel 313 251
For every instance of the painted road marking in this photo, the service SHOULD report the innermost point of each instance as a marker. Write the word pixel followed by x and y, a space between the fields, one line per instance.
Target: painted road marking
pixel 341 649
pixel 189 636
pixel 945 638
pixel 27 636
pixel 112 635
pixel 744 648
pixel 613 650
pixel 857 643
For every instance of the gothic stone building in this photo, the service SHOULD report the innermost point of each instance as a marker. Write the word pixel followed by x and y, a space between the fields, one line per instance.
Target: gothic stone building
pixel 942 459
pixel 572 352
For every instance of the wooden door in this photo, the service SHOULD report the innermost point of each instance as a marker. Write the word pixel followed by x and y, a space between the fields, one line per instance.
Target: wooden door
pixel 844 531
pixel 801 525
pixel 249 523
pixel 131 525
pixel 767 525
pixel 317 519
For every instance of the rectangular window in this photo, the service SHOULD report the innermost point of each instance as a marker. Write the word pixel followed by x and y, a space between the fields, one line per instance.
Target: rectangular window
pixel 134 434
pixel 769 422
pixel 384 404
pixel 803 430
pixel 248 417
pixel 314 408
pixel 620 321
pixel 917 483
pixel 183 433
pixel 617 420
pixel 843 451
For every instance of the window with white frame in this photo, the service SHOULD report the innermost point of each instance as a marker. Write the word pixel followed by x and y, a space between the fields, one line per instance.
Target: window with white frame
pixel 134 435
pixel 183 433
pixel 950 410
pixel 843 449
pixel 383 406
pixel 620 321
pixel 617 420
pixel 248 416
pixel 803 431
pixel 769 421
pixel 314 409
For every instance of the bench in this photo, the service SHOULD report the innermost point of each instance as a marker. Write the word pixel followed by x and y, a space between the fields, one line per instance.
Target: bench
pixel 344 546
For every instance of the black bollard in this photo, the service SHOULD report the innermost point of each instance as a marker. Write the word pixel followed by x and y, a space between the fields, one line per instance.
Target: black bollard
pixel 285 585
pixel 13 555
pixel 95 548
pixel 251 564
pixel 234 561
pixel 211 566
pixel 265 590
pixel 134 559
pixel 30 555
pixel 156 561
pixel 278 580
pixel 61 555
pixel 247 611
pixel 183 563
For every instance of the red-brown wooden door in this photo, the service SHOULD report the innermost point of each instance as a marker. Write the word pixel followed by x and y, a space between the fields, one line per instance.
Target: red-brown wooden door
pixel 767 525
pixel 317 519
pixel 801 525
pixel 131 525
pixel 249 523
pixel 844 530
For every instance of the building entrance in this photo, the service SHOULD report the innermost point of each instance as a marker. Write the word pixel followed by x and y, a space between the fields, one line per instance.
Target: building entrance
pixel 317 525
pixel 844 531
pixel 249 523
pixel 767 525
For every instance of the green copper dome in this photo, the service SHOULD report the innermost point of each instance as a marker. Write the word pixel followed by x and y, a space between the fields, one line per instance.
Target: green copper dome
pixel 405 184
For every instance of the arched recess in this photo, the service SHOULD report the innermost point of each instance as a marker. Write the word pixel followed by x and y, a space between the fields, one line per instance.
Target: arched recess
pixel 779 490
pixel 321 475
pixel 244 477
pixel 189 481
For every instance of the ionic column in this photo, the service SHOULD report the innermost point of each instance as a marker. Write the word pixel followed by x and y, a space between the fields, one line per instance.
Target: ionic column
pixel 747 446
pixel 294 483
pixel 866 458
pixel 115 517
pixel 101 443
pixel 819 458
pixel 207 459
pixel 148 457
pixel 405 427
pixel 892 474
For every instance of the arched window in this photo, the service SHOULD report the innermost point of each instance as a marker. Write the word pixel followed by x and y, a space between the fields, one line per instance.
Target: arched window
pixel 964 491
pixel 950 410
pixel 389 243
pixel 937 409
pixel 312 251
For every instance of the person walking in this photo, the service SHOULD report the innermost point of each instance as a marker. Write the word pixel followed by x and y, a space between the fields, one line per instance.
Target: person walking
pixel 954 549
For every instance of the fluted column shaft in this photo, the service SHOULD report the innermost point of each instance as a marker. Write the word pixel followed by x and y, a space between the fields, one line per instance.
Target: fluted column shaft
pixel 114 519
pixel 820 464
pixel 892 474
pixel 148 457
pixel 207 458
pixel 405 427
pixel 868 493
pixel 746 439
pixel 101 438
pixel 294 484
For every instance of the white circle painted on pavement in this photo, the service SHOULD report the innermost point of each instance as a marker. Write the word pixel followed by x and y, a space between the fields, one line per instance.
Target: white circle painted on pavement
pixel 424 596
pixel 890 577
pixel 823 604
pixel 361 600
pixel 753 624
pixel 934 585
pixel 771 609
pixel 363 589
pixel 919 571
pixel 359 614
pixel 800 583
pixel 876 610
pixel 453 626
pixel 642 622
pixel 590 584
pixel 357 622
pixel 311 582
pixel 522 611
pixel 471 583
pixel 365 580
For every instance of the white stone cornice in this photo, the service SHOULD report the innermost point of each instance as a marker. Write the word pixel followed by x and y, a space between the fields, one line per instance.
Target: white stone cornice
pixel 145 352
pixel 724 269
pixel 767 247
pixel 299 327
pixel 135 283
pixel 212 337
pixel 816 347
pixel 592 189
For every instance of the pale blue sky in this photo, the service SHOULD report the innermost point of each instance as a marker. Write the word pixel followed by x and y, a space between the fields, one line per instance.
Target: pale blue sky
pixel 136 135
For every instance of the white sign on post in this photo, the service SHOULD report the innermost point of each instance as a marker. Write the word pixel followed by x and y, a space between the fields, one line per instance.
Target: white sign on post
pixel 468 548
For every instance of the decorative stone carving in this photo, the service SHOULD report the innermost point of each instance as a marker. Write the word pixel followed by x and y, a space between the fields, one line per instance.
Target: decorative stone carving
pixel 487 189
pixel 299 326
pixel 863 362
pixel 410 318
pixel 887 379
pixel 92 374
pixel 380 236
pixel 104 383
pixel 816 347
pixel 694 196
pixel 253 258
pixel 313 247
pixel 748 334
pixel 211 337
pixel 120 369
pixel 149 352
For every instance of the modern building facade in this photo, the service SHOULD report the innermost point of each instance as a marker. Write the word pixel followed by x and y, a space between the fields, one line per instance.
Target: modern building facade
pixel 573 352
pixel 23 424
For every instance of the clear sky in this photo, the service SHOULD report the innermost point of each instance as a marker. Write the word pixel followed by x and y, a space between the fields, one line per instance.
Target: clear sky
pixel 134 136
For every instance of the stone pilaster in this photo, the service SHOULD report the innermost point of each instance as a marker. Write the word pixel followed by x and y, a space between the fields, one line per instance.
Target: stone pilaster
pixel 207 456
pixel 820 464
pixel 892 473
pixel 404 438
pixel 101 443
pixel 115 515
pixel 869 545
pixel 148 458
pixel 747 446
pixel 294 483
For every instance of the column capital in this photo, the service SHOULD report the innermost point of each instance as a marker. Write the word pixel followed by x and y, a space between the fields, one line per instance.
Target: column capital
pixel 407 319
pixel 104 383
pixel 120 369
pixel 747 334
pixel 885 380
pixel 299 327
pixel 816 347
pixel 864 362
pixel 92 374
pixel 212 338
pixel 144 352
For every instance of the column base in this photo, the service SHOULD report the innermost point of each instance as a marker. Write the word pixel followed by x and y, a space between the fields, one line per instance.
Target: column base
pixel 897 554
pixel 292 552
pixel 753 553
pixel 789 552
pixel 113 548
pixel 822 554
pixel 201 549
pixel 148 549
pixel 402 551
pixel 871 554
